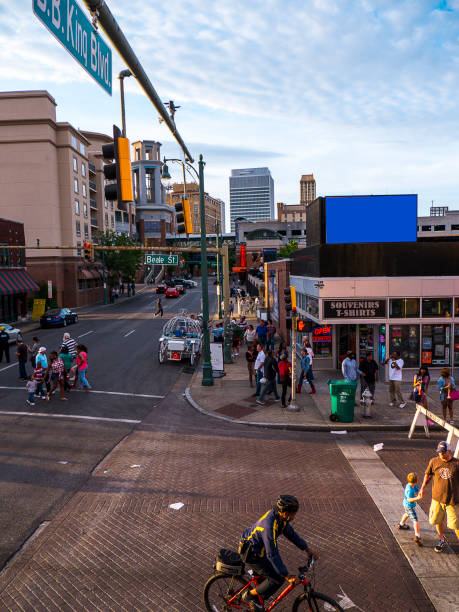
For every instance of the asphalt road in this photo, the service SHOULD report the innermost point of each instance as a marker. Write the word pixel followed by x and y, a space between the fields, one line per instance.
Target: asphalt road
pixel 123 366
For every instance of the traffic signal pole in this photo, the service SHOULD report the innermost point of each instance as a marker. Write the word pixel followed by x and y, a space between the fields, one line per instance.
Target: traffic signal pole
pixel 226 297
pixel 293 406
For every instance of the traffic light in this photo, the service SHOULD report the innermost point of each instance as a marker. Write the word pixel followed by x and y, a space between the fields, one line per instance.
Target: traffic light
pixel 118 168
pixel 304 326
pixel 288 307
pixel 293 298
pixel 88 252
pixel 183 217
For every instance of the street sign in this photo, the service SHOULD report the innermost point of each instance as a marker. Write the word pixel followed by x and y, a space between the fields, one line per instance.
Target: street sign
pixel 161 260
pixel 66 21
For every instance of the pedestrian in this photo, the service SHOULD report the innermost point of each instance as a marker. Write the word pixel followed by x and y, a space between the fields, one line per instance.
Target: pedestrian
pixel 67 358
pixel 122 288
pixel 4 345
pixel 305 372
pixel 56 371
pixel 231 307
pixel 446 384
pixel 308 347
pixel 242 323
pixel 159 308
pixel 39 376
pixel 21 353
pixel 409 506
pixel 369 376
pixel 42 360
pixel 112 295
pixel 420 385
pixel 133 288
pixel 256 301
pixel 349 367
pixel 395 378
pixel 259 361
pixel 249 335
pixel 270 370
pixel 444 470
pixel 33 350
pixel 218 333
pixel 31 387
pixel 262 332
pixel 70 343
pixel 285 375
pixel 270 334
pixel 82 366
pixel 251 356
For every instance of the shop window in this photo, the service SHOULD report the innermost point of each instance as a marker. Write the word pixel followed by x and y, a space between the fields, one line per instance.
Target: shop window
pixel 366 341
pixel 404 308
pixel 405 340
pixel 437 307
pixel 456 345
pixel 321 341
pixel 436 345
pixel 439 228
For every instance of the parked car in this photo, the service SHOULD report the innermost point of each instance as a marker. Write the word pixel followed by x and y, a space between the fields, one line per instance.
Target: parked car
pixel 161 288
pixel 58 317
pixel 172 292
pixel 13 332
pixel 180 287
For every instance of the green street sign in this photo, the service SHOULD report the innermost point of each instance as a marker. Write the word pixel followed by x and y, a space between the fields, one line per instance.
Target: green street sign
pixel 68 23
pixel 161 260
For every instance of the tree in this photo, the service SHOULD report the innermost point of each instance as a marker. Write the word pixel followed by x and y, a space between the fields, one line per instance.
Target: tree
pixel 121 265
pixel 288 249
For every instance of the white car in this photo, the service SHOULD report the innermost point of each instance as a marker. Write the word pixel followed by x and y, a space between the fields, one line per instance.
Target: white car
pixel 14 333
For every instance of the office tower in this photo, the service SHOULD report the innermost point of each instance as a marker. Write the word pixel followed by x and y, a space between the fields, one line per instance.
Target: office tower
pixel 251 194
pixel 307 189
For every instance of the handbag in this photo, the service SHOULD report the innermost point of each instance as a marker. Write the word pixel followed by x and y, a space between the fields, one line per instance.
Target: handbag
pixel 454 395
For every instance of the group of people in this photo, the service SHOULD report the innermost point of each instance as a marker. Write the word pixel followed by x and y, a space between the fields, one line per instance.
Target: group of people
pixel 61 369
pixel 368 372
pixel 121 289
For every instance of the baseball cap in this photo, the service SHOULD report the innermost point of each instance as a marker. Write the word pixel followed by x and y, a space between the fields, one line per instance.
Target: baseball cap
pixel 443 447
pixel 42 349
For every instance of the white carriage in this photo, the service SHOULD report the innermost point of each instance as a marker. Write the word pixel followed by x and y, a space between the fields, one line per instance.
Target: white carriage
pixel 181 339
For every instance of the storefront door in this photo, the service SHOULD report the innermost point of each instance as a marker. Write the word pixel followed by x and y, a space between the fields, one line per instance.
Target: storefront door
pixel 346 341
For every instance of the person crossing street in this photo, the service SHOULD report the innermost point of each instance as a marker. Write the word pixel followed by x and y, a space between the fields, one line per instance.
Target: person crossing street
pixel 159 308
pixel 4 345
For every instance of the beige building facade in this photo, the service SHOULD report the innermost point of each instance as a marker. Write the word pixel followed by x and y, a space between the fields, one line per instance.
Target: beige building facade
pixel 307 189
pixel 213 207
pixel 50 180
pixel 291 212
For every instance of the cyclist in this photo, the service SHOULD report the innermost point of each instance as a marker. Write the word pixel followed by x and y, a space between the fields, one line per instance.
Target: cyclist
pixel 259 547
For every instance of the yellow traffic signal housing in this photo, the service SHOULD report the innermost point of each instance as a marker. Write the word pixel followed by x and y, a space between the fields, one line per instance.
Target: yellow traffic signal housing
pixel 293 296
pixel 183 217
pixel 88 251
pixel 124 174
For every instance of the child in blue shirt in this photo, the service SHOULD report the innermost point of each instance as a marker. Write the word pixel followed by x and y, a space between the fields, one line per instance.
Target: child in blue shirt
pixel 409 505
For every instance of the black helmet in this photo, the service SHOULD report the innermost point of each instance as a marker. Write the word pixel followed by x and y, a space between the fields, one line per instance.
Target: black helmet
pixel 287 503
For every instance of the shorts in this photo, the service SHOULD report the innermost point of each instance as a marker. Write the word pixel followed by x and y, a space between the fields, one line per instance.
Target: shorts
pixel 437 514
pixel 411 513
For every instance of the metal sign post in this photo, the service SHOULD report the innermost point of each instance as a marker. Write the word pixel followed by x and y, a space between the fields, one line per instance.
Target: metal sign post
pixel 293 406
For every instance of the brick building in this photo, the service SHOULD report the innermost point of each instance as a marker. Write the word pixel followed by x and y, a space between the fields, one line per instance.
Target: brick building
pixel 213 206
pixel 15 281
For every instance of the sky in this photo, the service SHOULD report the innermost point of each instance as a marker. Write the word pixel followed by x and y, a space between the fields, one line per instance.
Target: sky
pixel 361 93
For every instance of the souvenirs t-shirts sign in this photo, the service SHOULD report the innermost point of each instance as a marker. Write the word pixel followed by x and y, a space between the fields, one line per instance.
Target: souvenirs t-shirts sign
pixel 354 309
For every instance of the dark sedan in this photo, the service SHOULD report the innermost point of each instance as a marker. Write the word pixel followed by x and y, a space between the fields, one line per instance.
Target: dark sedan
pixel 58 317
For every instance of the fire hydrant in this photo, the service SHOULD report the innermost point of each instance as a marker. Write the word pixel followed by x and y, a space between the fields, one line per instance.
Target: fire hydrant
pixel 366 406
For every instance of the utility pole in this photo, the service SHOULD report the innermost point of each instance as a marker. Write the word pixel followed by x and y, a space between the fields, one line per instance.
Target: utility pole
pixel 227 338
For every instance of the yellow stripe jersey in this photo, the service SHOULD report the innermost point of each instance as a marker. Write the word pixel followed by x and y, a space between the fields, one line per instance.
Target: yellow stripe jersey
pixel 263 536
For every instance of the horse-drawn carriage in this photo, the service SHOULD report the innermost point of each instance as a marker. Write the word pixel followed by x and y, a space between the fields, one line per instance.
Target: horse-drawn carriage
pixel 181 339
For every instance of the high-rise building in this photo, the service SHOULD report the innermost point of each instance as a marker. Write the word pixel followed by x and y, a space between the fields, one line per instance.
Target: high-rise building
pixel 307 189
pixel 251 194
pixel 49 181
pixel 213 206
pixel 153 215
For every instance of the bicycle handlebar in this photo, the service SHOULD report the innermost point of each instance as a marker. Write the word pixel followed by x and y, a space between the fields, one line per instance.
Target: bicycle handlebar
pixel 305 568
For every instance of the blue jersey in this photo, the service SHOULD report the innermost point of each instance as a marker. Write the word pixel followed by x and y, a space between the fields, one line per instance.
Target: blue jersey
pixel 263 537
pixel 410 491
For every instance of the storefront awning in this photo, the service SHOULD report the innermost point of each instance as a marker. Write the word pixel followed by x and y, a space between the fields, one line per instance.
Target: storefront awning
pixel 16 281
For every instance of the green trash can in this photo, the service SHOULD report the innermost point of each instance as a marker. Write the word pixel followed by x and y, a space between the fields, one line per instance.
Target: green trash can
pixel 342 393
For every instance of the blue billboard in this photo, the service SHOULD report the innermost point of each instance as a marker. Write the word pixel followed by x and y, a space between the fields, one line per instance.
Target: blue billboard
pixel 379 218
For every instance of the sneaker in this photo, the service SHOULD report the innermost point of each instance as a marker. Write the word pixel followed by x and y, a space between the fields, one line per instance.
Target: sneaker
pixel 259 402
pixel 441 544
pixel 404 526
pixel 417 539
pixel 402 405
pixel 392 404
pixel 30 403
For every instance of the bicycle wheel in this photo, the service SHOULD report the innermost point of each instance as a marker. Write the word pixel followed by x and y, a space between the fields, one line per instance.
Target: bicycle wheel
pixel 315 602
pixel 219 589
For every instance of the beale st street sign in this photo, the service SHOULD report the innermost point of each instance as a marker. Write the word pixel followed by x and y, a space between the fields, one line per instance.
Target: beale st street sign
pixel 162 260
pixel 68 23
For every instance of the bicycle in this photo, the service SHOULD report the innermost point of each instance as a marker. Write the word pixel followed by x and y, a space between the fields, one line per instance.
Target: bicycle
pixel 223 592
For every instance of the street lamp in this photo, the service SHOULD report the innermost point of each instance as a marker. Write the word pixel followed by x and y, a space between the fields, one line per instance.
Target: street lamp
pixel 207 378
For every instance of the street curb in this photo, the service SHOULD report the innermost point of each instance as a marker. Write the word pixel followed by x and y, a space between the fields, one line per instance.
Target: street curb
pixel 295 427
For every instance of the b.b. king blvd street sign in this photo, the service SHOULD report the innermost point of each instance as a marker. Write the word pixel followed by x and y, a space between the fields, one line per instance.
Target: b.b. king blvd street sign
pixel 68 23
pixel 161 260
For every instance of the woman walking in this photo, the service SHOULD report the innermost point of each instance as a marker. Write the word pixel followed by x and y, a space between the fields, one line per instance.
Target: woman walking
pixel 82 366
pixel 420 386
pixel 446 384
pixel 249 335
pixel 285 373
pixel 251 356
pixel 159 308
pixel 56 370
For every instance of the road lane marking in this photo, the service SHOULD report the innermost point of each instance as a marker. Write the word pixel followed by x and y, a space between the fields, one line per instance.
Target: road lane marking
pixel 68 416
pixel 129 333
pixel 86 333
pixel 7 367
pixel 101 392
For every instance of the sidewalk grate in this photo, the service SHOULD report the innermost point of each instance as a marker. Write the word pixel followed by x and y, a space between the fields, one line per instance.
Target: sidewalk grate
pixel 235 410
